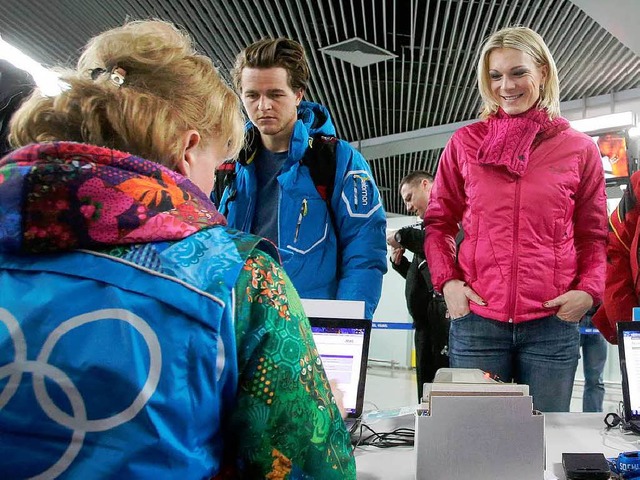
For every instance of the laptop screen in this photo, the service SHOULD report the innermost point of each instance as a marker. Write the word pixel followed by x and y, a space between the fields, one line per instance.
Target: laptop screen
pixel 629 350
pixel 343 345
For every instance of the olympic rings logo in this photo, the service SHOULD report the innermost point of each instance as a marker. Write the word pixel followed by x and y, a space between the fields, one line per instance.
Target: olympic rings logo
pixel 40 368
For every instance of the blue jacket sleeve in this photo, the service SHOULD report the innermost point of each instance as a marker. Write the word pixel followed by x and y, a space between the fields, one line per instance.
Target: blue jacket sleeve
pixel 360 223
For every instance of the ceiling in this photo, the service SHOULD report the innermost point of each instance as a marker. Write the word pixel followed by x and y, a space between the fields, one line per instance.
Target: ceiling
pixel 428 80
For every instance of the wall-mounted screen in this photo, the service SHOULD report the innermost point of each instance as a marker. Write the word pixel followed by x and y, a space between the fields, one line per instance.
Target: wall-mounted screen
pixel 613 150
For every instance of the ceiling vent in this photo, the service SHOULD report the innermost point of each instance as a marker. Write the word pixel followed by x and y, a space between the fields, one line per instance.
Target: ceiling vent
pixel 358 52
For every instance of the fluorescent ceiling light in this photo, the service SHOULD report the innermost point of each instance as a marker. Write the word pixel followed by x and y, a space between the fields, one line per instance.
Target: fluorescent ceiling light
pixel 603 123
pixel 46 79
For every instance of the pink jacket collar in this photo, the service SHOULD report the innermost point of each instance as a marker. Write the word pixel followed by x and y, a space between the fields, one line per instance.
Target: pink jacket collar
pixel 510 139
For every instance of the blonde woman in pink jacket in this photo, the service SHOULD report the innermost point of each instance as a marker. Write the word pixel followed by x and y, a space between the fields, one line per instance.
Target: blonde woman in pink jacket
pixel 529 191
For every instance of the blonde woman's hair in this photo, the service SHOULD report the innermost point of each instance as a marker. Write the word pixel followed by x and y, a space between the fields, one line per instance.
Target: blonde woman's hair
pixel 529 42
pixel 168 89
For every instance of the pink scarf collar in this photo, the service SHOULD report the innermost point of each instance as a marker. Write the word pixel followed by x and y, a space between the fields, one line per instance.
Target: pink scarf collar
pixel 510 139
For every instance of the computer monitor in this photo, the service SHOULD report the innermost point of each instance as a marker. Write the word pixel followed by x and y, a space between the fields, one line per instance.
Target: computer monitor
pixel 629 352
pixel 343 345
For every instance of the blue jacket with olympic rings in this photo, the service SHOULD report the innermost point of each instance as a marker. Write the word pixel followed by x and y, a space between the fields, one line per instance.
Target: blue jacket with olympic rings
pixel 117 341
pixel 56 361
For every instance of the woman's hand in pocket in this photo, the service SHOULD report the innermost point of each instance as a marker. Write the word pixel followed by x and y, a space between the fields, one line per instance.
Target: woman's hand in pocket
pixel 457 296
pixel 573 305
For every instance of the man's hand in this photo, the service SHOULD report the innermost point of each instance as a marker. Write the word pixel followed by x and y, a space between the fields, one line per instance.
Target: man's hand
pixel 457 295
pixel 573 305
pixel 391 239
pixel 396 255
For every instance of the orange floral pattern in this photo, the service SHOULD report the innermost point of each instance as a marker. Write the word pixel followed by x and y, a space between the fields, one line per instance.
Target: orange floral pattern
pixel 267 285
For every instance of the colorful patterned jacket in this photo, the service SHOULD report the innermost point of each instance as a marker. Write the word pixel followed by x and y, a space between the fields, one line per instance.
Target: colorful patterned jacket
pixel 140 338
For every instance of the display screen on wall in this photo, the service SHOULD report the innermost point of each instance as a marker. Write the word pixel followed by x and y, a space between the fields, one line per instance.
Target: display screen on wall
pixel 613 150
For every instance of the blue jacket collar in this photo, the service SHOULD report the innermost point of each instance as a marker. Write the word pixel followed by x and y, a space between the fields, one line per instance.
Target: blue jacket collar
pixel 313 119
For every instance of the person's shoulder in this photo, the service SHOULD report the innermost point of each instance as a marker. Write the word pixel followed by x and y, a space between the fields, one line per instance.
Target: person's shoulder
pixel 413 228
pixel 259 256
pixel 243 242
pixel 472 132
pixel 250 243
pixel 578 137
pixel 344 145
pixel 321 139
pixel 343 150
pixel 634 180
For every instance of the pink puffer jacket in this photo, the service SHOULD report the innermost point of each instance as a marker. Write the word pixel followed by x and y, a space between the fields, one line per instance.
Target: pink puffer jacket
pixel 535 224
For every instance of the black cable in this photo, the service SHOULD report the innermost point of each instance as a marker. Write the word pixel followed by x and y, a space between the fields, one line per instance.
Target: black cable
pixel 400 437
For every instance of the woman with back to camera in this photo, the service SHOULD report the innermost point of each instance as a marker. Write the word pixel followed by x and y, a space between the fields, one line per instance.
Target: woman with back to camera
pixel 530 193
pixel 141 337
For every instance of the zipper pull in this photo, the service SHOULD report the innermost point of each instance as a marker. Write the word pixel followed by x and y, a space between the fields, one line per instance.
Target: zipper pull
pixel 355 190
pixel 304 209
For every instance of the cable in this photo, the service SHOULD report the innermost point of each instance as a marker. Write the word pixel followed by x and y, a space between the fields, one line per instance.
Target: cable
pixel 400 437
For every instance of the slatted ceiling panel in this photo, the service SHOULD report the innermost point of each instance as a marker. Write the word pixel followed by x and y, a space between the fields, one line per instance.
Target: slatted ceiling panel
pixel 449 64
pixel 616 73
pixel 604 80
pixel 572 76
pixel 332 77
pixel 439 80
pixel 596 63
pixel 431 82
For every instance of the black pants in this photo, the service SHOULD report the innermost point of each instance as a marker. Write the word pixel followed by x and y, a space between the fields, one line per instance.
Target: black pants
pixel 431 340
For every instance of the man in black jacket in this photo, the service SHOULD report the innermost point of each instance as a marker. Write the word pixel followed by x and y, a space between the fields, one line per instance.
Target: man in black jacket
pixel 428 310
pixel 15 86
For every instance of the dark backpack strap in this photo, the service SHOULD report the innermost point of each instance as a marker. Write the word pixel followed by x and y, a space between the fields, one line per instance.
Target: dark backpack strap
pixel 320 159
pixel 225 177
pixel 226 173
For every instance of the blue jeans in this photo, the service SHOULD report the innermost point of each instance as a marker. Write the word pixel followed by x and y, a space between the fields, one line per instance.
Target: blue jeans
pixel 594 356
pixel 541 353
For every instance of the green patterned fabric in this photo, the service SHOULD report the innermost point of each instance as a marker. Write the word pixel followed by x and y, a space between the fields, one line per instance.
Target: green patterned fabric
pixel 285 424
pixel 301 435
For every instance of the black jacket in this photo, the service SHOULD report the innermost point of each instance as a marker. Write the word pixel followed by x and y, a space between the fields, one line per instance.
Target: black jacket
pixel 418 287
pixel 15 86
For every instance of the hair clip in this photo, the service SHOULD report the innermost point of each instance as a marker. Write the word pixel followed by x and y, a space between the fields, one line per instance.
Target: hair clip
pixel 96 72
pixel 117 75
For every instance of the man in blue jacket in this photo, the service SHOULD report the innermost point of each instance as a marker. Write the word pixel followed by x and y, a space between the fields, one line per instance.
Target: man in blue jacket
pixel 331 236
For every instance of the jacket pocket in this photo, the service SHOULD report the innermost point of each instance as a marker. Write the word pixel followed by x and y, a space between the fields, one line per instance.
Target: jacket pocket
pixel 467 256
pixel 565 267
pixel 307 226
pixel 464 317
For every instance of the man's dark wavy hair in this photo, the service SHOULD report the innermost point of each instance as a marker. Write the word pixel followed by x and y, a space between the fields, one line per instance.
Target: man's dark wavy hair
pixel 274 52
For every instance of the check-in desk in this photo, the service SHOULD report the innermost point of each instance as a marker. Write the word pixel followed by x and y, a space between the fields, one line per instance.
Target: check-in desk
pixel 563 432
